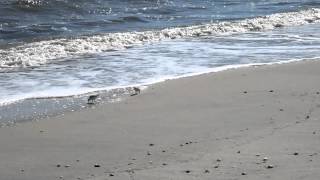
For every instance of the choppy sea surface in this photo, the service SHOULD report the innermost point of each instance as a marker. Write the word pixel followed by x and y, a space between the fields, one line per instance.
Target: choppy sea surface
pixel 56 48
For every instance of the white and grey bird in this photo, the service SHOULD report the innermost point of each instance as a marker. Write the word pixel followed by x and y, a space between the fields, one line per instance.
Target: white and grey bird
pixel 136 91
pixel 92 98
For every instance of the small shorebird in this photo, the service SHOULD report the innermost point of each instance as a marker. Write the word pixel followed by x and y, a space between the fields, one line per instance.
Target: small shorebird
pixel 136 91
pixel 92 98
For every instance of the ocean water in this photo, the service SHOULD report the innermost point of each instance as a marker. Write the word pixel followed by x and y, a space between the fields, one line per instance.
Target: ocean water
pixel 57 48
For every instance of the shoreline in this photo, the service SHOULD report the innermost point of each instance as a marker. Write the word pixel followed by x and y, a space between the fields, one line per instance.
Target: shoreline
pixel 220 125
pixel 35 109
pixel 44 107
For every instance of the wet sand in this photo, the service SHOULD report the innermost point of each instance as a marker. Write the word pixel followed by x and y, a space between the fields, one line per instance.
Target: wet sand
pixel 250 123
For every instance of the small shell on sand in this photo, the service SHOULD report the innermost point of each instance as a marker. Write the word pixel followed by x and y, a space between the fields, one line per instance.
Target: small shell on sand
pixel 265 159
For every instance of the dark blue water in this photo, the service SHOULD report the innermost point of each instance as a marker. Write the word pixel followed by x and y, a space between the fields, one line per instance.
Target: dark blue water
pixel 31 20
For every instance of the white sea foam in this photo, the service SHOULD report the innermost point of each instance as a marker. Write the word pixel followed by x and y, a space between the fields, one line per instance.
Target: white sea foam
pixel 37 53
pixel 29 3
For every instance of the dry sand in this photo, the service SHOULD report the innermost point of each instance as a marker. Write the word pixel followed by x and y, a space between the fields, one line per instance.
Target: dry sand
pixel 214 126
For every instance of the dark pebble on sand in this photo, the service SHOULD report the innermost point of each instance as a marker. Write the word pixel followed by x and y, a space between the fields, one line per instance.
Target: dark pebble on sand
pixel 239 152
pixel 149 153
pixel 206 171
pixel 271 91
pixel 280 109
pixel 313 132
pixel 58 165
pixel 245 92
pixel 307 117
pixel 97 165
pixel 151 144
pixel 270 166
pixel 164 164
pixel 243 173
pixel 318 93
pixel 296 153
pixel 111 175
pixel 187 171
pixel 218 160
pixel 181 145
pixel 313 154
pixel 163 151
pixel 187 143
pixel 66 166
pixel 216 166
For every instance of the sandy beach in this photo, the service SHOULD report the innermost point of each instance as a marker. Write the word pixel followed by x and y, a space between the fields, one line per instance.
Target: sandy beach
pixel 249 123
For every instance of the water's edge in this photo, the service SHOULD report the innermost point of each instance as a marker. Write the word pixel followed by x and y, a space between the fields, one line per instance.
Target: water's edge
pixel 34 109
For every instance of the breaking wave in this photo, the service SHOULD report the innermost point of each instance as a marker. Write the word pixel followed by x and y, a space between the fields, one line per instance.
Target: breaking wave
pixel 29 3
pixel 42 52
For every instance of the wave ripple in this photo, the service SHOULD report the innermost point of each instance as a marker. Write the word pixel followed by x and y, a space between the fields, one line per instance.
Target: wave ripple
pixel 38 53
